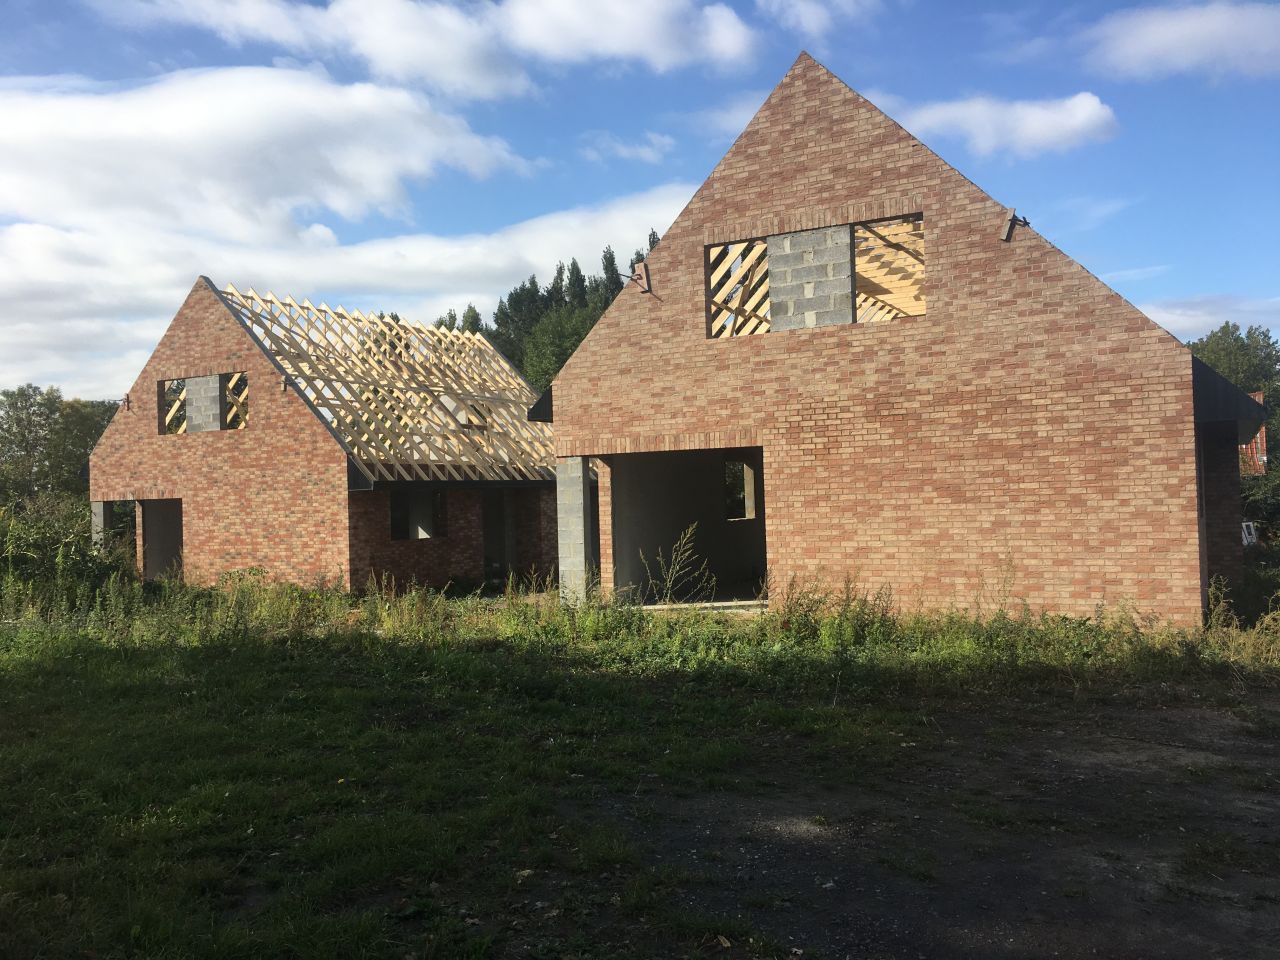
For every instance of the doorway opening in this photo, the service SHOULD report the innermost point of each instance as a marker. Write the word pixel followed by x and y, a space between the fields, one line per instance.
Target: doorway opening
pixel 161 538
pixel 498 519
pixel 708 502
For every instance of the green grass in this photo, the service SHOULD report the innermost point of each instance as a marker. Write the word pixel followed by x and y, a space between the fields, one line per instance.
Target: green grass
pixel 260 771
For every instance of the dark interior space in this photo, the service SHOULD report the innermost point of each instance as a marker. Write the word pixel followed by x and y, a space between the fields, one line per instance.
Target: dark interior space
pixel 161 538
pixel 717 492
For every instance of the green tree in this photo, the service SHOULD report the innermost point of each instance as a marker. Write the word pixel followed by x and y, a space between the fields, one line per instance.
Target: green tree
pixel 653 238
pixel 610 275
pixel 1250 360
pixel 555 295
pixel 45 441
pixel 448 319
pixel 514 319
pixel 553 341
pixel 577 285
pixel 471 322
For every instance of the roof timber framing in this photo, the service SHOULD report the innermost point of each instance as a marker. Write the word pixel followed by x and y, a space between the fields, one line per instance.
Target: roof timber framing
pixel 406 401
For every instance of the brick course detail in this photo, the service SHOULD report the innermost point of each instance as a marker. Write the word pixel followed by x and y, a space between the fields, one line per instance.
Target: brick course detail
pixel 1030 438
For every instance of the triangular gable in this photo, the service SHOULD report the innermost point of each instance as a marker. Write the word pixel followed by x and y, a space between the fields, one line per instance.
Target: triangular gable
pixel 804 122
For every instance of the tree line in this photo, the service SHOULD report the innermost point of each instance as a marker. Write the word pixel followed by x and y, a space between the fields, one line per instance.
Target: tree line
pixel 538 327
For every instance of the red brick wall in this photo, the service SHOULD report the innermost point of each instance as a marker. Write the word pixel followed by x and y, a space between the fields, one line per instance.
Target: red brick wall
pixel 1220 477
pixel 535 518
pixel 273 495
pixel 456 558
pixel 1030 438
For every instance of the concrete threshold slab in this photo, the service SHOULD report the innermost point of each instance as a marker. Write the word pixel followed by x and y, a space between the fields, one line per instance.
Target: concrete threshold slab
pixel 718 606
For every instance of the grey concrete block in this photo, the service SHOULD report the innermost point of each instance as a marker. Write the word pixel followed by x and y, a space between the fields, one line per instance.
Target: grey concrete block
pixel 204 403
pixel 834 287
pixel 573 522
pixel 816 272
pixel 811 304
pixel 816 239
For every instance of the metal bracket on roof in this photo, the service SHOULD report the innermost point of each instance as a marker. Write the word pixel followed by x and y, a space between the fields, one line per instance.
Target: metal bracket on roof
pixel 1012 220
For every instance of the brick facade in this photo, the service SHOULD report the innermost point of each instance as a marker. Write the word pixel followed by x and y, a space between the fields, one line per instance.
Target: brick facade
pixel 456 558
pixel 271 496
pixel 1029 438
pixel 275 495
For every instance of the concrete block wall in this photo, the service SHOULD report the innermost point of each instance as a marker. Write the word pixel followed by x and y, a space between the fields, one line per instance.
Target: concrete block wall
pixel 1030 438
pixel 204 403
pixel 576 545
pixel 811 278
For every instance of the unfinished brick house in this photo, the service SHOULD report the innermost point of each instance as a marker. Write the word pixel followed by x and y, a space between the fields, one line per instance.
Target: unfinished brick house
pixel 324 445
pixel 848 361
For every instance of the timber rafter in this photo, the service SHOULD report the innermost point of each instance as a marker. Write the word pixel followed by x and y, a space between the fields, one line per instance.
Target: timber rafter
pixel 407 401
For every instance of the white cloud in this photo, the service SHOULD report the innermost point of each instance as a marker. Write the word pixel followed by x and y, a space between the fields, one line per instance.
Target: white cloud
pixel 815 19
pixel 1212 38
pixel 663 34
pixel 1137 274
pixel 651 148
pixel 728 118
pixel 237 152
pixel 99 298
pixel 1024 128
pixel 1193 317
pixel 466 51
pixel 1085 213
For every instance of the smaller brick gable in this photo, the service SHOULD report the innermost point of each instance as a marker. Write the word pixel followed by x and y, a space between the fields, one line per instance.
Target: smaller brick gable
pixel 273 495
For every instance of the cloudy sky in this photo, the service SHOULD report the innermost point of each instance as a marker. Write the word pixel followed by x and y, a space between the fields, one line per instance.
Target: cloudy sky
pixel 414 155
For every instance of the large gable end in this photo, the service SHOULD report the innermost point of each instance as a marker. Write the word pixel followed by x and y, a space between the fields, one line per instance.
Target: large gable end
pixel 818 155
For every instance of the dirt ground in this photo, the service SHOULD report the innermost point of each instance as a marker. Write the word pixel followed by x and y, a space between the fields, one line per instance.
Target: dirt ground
pixel 1071 830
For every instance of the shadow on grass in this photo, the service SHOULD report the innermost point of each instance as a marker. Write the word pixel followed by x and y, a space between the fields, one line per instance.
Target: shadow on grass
pixel 347 795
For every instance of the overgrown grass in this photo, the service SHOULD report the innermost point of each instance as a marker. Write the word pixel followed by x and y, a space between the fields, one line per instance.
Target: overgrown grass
pixel 260 770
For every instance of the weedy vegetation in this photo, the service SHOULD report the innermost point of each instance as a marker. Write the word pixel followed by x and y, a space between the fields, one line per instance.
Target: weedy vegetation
pixel 264 770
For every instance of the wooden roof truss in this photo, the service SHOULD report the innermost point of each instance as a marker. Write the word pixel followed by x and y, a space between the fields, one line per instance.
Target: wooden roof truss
pixel 406 401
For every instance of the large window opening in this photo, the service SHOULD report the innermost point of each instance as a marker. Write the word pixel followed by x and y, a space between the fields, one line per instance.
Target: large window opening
pixel 866 272
pixel 658 498
pixel 203 404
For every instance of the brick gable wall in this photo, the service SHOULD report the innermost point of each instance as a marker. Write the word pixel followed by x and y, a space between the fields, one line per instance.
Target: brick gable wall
pixel 273 495
pixel 1029 438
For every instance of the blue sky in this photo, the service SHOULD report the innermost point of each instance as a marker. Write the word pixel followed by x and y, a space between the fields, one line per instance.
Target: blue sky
pixel 412 155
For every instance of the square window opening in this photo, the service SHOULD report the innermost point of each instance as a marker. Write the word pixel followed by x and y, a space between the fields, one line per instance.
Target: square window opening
pixel 418 515
pixel 737 288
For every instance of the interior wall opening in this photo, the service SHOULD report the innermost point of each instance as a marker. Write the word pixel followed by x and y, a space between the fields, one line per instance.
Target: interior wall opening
pixel 719 494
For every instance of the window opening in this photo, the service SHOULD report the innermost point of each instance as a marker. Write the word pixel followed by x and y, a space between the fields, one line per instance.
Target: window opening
pixel 888 258
pixel 173 406
pixel 418 515
pixel 235 398
pixel 737 288
pixel 739 489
